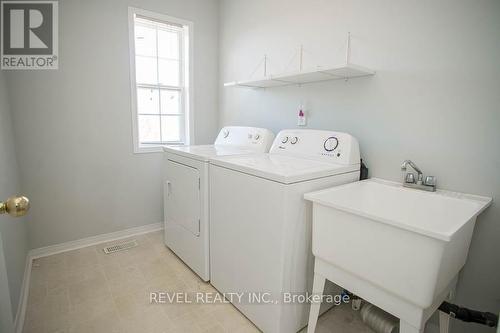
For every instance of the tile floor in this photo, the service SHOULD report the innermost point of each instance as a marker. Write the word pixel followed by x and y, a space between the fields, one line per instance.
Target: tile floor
pixel 88 291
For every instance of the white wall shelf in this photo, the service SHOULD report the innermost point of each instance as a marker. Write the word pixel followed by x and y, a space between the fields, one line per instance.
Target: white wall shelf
pixel 346 71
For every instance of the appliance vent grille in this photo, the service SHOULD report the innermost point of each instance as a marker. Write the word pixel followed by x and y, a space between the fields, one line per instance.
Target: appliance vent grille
pixel 120 247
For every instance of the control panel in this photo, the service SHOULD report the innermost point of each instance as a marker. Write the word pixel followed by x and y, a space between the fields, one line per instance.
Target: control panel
pixel 336 147
pixel 258 139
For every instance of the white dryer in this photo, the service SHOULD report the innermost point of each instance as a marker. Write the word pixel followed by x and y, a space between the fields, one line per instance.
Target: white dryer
pixel 186 191
pixel 260 232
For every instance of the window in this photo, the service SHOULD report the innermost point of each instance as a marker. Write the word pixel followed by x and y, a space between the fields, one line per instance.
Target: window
pixel 160 67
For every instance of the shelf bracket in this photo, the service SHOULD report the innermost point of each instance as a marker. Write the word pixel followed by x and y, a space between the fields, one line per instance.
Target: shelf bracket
pixel 348 49
pixel 301 56
pixel 265 65
pixel 348 52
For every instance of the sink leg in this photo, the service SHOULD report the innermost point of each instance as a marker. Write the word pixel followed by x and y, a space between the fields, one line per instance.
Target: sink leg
pixel 318 286
pixel 444 322
pixel 404 327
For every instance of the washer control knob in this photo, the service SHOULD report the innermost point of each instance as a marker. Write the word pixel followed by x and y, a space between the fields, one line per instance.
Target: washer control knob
pixel 284 140
pixel 256 137
pixel 225 133
pixel 331 143
pixel 294 140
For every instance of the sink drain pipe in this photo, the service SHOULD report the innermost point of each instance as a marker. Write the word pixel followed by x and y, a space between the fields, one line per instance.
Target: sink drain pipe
pixel 379 320
pixel 470 316
pixel 382 322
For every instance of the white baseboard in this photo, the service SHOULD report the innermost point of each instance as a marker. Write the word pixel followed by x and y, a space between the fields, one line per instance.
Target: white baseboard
pixel 64 247
pixel 93 240
pixel 23 297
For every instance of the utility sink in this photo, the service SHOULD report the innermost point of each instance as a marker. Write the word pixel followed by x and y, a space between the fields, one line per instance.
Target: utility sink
pixel 394 243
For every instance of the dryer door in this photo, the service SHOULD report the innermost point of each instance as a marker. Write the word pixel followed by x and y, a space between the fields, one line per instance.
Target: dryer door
pixel 182 197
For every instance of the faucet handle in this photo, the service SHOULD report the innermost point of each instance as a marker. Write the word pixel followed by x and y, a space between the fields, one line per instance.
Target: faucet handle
pixel 410 178
pixel 430 181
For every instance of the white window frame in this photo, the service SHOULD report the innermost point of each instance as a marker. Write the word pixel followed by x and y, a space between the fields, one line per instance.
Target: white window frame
pixel 187 92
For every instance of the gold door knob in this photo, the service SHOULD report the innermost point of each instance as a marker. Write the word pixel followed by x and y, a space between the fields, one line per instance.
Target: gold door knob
pixel 15 206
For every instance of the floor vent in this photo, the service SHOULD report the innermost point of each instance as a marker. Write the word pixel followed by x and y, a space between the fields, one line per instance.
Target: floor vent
pixel 120 247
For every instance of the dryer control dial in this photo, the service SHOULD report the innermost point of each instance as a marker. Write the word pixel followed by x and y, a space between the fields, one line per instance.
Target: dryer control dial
pixel 294 140
pixel 284 140
pixel 225 134
pixel 331 143
pixel 256 137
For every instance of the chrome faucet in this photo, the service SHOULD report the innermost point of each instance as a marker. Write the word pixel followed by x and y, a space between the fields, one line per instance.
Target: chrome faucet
pixel 429 184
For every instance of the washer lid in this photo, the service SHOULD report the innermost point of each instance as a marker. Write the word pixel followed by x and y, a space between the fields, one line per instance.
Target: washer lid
pixel 205 152
pixel 282 168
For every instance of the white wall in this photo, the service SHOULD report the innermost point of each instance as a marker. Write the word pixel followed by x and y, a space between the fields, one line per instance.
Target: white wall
pixel 435 98
pixel 73 125
pixel 13 237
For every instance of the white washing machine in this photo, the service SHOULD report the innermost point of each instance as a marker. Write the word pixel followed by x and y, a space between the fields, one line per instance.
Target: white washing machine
pixel 260 232
pixel 185 183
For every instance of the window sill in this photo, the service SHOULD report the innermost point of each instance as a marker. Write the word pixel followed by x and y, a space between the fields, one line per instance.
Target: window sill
pixel 155 149
pixel 148 150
